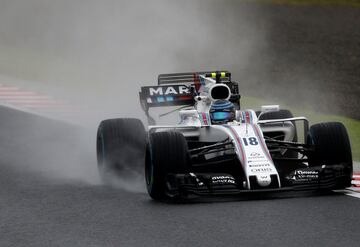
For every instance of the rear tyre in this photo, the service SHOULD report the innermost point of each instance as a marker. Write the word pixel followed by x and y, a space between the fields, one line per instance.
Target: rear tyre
pixel 332 147
pixel 167 152
pixel 120 148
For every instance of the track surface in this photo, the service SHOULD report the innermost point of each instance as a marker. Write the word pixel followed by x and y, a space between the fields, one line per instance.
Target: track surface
pixel 39 213
pixel 46 207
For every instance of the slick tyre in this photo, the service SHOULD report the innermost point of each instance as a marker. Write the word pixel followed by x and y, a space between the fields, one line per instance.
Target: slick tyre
pixel 167 153
pixel 332 148
pixel 121 145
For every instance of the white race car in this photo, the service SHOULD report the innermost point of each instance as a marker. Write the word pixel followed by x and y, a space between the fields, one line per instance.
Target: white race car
pixel 219 149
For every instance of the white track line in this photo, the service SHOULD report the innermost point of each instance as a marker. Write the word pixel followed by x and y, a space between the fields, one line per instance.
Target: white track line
pixel 351 191
pixel 353 194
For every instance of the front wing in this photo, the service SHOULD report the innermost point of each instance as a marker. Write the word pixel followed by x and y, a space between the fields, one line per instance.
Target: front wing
pixel 208 184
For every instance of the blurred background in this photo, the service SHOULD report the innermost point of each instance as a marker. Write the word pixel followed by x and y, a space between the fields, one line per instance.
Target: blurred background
pixel 99 53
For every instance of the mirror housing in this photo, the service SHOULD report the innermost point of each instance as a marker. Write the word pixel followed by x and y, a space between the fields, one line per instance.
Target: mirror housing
pixel 270 108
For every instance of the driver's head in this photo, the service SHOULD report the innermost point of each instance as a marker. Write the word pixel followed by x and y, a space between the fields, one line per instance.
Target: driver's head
pixel 222 111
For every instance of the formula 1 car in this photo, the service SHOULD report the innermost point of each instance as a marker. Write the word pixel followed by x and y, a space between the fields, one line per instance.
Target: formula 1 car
pixel 219 149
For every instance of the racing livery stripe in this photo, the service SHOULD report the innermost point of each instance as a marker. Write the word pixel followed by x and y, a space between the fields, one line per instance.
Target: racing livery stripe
pixel 262 143
pixel 247 117
pixel 239 143
pixel 208 118
pixel 243 118
pixel 204 118
pixel 251 117
pixel 201 119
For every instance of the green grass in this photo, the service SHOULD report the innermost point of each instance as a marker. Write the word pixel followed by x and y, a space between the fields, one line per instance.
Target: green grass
pixel 352 125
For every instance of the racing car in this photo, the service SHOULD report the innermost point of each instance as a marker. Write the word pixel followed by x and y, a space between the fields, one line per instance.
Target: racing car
pixel 217 148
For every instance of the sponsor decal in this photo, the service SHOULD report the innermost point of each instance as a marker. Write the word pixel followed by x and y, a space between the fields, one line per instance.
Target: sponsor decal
pixel 261 170
pixel 307 174
pixel 260 165
pixel 257 161
pixel 223 180
pixel 257 157
pixel 170 90
pixel 199 183
pixel 258 134
pixel 304 176
pixel 254 154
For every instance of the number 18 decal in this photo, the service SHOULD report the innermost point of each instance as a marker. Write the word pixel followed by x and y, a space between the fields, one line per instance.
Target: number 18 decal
pixel 250 141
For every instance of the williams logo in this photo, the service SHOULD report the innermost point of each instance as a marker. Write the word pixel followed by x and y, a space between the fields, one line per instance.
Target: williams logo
pixel 255 155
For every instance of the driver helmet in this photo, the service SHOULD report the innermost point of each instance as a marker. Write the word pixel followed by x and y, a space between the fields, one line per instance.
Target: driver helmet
pixel 222 111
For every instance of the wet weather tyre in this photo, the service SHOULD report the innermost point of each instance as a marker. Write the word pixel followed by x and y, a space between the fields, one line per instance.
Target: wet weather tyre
pixel 120 146
pixel 167 153
pixel 332 148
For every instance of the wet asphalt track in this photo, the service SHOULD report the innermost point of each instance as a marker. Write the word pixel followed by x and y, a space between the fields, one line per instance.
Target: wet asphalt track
pixel 38 209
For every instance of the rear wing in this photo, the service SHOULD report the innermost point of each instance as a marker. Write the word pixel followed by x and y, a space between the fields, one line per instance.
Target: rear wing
pixel 175 95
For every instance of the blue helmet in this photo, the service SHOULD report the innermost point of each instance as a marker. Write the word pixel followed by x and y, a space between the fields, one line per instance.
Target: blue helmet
pixel 222 111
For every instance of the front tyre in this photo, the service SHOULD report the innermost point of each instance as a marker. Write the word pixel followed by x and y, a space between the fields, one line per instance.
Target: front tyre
pixel 167 152
pixel 332 148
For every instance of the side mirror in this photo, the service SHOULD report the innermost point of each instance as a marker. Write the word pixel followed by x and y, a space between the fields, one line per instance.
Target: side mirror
pixel 270 108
